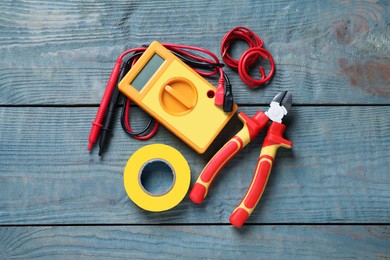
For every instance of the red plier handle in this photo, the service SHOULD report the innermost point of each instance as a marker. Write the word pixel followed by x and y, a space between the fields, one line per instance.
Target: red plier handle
pixel 252 126
pixel 279 107
pixel 271 144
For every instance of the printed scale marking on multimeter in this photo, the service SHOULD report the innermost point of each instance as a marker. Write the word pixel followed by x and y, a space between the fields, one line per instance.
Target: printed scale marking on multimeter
pixel 175 95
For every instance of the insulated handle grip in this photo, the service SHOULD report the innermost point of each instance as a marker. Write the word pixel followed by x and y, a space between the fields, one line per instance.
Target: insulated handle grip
pixel 256 189
pixel 272 142
pixel 215 165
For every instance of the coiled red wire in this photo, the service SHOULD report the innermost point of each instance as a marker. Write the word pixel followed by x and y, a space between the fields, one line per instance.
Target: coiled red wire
pixel 249 57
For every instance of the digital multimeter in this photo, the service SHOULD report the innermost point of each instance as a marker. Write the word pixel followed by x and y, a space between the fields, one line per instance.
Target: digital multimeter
pixel 176 96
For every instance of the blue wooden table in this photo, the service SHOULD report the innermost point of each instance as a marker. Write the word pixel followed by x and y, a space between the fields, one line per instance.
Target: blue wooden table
pixel 328 197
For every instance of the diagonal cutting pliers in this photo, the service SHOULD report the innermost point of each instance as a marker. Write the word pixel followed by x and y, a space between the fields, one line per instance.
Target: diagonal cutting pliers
pixel 278 108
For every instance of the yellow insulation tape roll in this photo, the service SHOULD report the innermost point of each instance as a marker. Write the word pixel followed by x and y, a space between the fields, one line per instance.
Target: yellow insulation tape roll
pixel 140 160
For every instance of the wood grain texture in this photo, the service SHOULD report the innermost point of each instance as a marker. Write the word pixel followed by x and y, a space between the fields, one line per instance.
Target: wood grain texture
pixel 337 171
pixel 196 242
pixel 327 52
pixel 59 201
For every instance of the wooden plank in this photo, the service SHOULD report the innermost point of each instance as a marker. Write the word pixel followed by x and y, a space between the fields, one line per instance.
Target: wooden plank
pixel 326 52
pixel 337 171
pixel 199 242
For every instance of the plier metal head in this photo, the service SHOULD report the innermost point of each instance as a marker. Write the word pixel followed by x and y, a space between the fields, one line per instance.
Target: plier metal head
pixel 279 106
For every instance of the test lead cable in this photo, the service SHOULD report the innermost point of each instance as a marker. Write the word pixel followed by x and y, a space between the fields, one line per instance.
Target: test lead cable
pixel 106 130
pixel 205 66
pixel 97 123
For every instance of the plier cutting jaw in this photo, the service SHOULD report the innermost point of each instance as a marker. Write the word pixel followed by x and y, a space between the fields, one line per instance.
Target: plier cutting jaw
pixel 279 107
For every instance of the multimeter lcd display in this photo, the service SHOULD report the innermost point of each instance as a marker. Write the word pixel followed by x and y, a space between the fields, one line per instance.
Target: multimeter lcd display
pixel 147 72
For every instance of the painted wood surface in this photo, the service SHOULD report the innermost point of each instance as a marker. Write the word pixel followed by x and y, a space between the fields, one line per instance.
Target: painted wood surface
pixel 59 201
pixel 211 242
pixel 334 173
pixel 329 52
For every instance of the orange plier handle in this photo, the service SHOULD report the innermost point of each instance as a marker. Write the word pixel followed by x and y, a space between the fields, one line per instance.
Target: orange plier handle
pixel 271 144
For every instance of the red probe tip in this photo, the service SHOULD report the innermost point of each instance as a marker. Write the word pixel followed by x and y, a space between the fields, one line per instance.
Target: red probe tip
pixel 94 134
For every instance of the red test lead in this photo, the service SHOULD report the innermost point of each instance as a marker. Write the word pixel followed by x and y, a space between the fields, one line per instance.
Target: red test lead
pixel 97 124
pixel 204 66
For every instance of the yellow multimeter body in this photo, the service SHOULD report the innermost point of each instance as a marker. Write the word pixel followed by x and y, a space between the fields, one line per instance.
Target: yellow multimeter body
pixel 176 96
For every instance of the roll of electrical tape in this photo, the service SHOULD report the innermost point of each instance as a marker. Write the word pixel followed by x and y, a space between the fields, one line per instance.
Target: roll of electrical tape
pixel 141 160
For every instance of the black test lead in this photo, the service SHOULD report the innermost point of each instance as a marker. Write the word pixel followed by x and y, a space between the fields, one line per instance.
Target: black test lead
pixel 110 115
pixel 206 67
